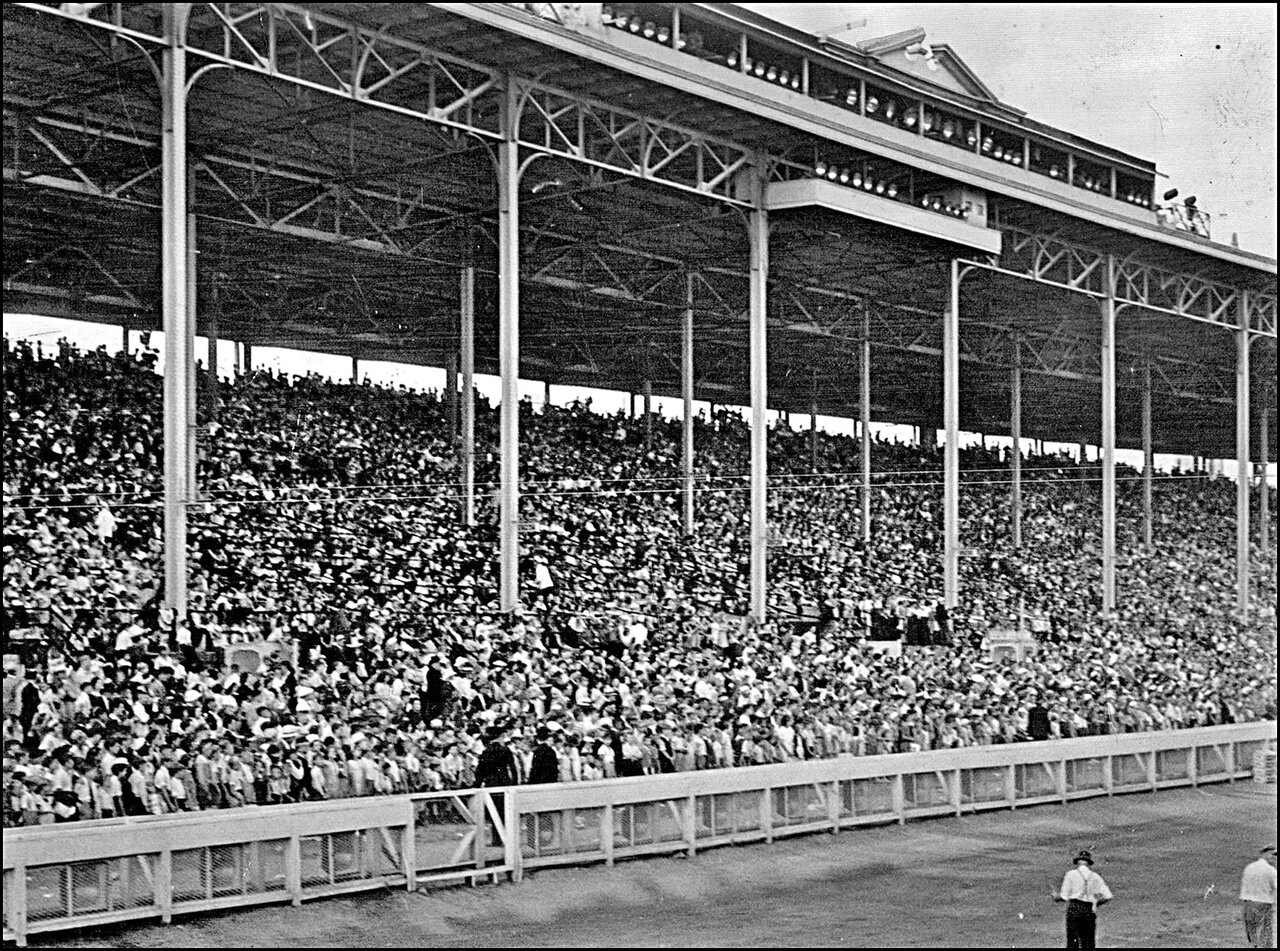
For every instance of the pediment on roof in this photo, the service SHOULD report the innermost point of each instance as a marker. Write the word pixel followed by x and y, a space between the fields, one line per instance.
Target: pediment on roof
pixel 937 64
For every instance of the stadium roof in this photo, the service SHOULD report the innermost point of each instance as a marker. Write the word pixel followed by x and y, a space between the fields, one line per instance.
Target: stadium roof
pixel 335 216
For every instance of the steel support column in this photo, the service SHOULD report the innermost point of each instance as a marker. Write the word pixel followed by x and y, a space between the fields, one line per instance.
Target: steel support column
pixel 1015 432
pixel 686 392
pixel 813 437
pixel 1108 310
pixel 247 353
pixel 864 423
pixel 215 309
pixel 467 397
pixel 648 413
pixel 1242 458
pixel 193 488
pixel 1264 503
pixel 509 357
pixel 951 456
pixel 451 393
pixel 355 370
pixel 758 227
pixel 1148 464
pixel 178 334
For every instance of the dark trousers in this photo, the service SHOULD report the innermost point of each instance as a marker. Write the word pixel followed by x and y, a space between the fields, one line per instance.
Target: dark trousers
pixel 1257 923
pixel 1082 923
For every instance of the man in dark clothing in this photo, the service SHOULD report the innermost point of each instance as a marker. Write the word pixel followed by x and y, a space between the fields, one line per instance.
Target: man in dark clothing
pixel 546 764
pixel 1038 720
pixel 497 765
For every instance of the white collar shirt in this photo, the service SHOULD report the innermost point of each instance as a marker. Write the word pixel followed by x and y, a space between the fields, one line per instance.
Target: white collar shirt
pixel 1259 882
pixel 1084 884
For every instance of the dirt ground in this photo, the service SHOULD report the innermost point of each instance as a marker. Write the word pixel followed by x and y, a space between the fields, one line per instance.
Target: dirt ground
pixel 1172 859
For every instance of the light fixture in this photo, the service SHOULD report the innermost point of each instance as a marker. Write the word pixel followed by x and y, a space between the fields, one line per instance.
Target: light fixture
pixel 857 179
pixel 924 202
pixel 972 138
pixel 606 14
pixel 650 30
pixel 747 62
pixel 795 81
pixel 998 153
pixel 820 168
pixel 851 97
pixel 880 187
pixel 892 190
pixel 948 129
pixel 771 73
pixel 634 24
pixel 872 104
pixel 1055 172
pixel 1017 159
pixel 1086 181
pixel 988 144
pixel 664 34
pixel 909 119
pixel 760 68
pixel 929 122
pixel 681 42
pixel 867 183
pixel 833 173
pixel 732 60
pixel 844 176
pixel 784 77
pixel 936 203
pixel 890 109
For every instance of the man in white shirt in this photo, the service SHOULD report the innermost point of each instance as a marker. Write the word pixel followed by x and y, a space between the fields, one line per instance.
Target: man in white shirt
pixel 1258 892
pixel 1083 890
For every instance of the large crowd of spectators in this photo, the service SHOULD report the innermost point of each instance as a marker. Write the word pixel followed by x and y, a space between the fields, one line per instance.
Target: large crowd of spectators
pixel 329 530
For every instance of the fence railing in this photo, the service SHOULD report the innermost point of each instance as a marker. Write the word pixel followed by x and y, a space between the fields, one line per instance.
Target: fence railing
pixel 94 873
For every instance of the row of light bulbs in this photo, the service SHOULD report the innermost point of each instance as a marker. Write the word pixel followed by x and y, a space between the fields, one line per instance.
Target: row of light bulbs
pixel 995 150
pixel 854 178
pixel 783 77
pixel 634 24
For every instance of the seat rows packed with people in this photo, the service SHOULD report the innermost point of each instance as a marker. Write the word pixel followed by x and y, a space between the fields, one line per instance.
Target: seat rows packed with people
pixel 329 531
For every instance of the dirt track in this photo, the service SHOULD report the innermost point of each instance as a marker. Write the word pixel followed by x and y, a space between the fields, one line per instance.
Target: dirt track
pixel 1173 861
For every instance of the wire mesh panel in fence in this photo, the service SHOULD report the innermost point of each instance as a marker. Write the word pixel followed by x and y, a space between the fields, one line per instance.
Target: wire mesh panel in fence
pixel 984 785
pixel 88 888
pixel 1129 769
pixel 1086 774
pixel 1033 780
pixel 336 857
pixel 1212 761
pixel 445 832
pixel 799 805
pixel 873 797
pixel 1172 764
pixel 924 791
pixel 562 832
pixel 1245 750
pixel 731 813
pixel 223 870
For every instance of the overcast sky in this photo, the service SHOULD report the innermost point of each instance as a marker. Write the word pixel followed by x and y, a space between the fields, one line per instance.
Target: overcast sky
pixel 1191 87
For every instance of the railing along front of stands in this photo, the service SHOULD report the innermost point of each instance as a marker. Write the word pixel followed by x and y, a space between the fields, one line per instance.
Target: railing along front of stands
pixel 93 873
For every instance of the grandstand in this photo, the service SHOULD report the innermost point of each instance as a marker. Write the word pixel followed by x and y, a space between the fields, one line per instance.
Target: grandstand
pixel 425 592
